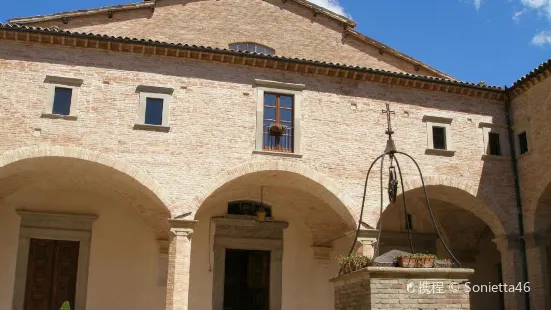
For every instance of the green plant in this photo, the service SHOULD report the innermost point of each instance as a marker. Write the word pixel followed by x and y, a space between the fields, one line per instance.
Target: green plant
pixel 418 255
pixel 277 129
pixel 353 262
pixel 65 306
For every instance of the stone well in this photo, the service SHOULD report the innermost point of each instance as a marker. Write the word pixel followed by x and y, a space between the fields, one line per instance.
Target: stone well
pixel 377 288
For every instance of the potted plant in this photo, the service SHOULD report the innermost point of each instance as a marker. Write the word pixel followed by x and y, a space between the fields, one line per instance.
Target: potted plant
pixel 277 129
pixel 419 260
pixel 353 262
pixel 443 263
pixel 65 306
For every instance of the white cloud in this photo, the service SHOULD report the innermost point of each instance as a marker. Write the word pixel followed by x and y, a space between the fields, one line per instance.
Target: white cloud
pixel 332 5
pixel 541 6
pixel 518 14
pixel 477 4
pixel 542 38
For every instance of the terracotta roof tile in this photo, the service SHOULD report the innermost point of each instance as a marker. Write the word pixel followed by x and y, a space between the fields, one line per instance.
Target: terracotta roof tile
pixel 535 72
pixel 192 47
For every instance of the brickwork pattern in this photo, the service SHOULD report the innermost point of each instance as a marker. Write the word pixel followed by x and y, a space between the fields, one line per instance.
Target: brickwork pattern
pixel 363 291
pixel 205 95
pixel 530 111
pixel 289 28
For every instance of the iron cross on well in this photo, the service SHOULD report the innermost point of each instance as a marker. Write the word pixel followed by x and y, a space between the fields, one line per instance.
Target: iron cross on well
pixel 389 130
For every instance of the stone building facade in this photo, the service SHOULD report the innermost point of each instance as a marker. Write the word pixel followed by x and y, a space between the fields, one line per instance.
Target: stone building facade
pixel 124 205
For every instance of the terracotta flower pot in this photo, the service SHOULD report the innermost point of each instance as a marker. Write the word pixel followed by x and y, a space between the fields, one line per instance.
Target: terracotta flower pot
pixel 425 262
pixel 407 262
pixel 416 262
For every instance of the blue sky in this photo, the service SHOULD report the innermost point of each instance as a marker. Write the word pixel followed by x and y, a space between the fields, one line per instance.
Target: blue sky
pixel 496 41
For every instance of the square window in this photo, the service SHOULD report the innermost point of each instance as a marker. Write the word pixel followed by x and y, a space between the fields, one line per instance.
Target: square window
pixel 439 138
pixel 154 111
pixel 494 146
pixel 62 101
pixel 523 142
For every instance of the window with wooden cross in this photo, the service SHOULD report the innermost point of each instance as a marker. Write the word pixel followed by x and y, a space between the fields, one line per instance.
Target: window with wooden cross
pixel 278 128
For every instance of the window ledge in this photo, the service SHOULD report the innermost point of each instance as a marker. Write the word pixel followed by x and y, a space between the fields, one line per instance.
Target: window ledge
pixel 446 153
pixel 495 157
pixel 149 127
pixel 59 116
pixel 282 154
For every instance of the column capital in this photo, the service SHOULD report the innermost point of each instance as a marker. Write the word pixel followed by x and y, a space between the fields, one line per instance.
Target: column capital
pixel 181 227
pixel 507 242
pixel 537 239
pixel 365 234
pixel 164 246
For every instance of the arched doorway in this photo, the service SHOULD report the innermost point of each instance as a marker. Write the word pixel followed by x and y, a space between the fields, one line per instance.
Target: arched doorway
pixel 303 236
pixel 458 216
pixel 74 218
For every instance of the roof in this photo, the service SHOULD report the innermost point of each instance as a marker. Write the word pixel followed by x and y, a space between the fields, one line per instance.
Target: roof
pixel 56 36
pixel 115 8
pixel 151 3
pixel 347 23
pixel 533 77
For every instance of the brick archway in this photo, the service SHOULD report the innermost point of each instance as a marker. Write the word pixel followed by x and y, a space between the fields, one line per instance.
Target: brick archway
pixel 142 178
pixel 538 206
pixel 342 205
pixel 476 203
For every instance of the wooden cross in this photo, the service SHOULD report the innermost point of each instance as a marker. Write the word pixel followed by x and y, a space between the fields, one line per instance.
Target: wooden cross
pixel 388 112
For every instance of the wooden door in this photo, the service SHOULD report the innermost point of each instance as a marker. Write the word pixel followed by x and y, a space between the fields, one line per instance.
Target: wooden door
pixel 51 274
pixel 247 280
pixel 259 280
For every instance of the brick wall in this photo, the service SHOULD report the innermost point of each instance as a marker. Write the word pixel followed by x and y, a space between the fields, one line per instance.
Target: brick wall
pixel 289 28
pixel 207 95
pixel 380 288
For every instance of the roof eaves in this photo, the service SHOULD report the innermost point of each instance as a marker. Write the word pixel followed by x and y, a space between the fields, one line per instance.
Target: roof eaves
pixel 41 18
pixel 57 31
pixel 390 50
pixel 532 74
pixel 343 19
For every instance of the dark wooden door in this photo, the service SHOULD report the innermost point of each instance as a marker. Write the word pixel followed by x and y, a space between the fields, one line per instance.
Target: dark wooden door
pixel 259 280
pixel 247 280
pixel 51 274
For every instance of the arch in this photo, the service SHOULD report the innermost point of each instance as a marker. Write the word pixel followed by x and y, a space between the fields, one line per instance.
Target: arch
pixel 476 206
pixel 534 204
pixel 139 176
pixel 343 208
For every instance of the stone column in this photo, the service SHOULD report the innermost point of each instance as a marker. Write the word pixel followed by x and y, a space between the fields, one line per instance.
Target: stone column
pixel 367 240
pixel 538 271
pixel 511 265
pixel 179 255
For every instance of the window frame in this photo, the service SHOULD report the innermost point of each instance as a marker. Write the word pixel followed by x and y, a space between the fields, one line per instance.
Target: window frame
pixel 444 122
pixel 488 128
pixel 277 119
pixel 154 92
pixel 273 87
pixel 54 82
pixel 256 45
pixel 518 130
